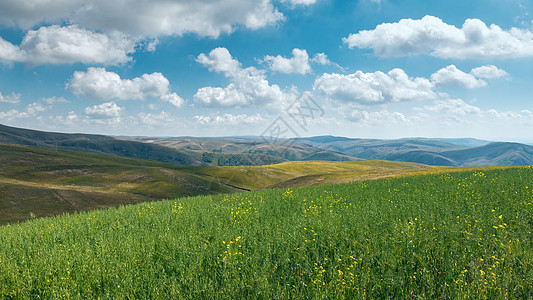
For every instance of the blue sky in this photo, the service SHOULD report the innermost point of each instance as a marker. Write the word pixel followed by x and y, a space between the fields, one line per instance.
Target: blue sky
pixel 368 68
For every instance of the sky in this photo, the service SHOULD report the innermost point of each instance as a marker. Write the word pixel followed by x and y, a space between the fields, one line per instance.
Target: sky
pixel 272 68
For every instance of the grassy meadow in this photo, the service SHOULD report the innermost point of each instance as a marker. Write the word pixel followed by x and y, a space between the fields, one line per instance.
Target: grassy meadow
pixel 452 235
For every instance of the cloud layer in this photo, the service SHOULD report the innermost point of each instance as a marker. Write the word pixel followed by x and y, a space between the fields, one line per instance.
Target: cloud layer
pixel 145 18
pixel 397 86
pixel 430 35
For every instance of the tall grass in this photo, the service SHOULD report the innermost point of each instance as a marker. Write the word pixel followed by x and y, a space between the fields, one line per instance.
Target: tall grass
pixel 458 235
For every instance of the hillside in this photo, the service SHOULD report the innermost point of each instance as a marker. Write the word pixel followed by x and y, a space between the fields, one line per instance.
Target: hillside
pixel 254 146
pixel 440 152
pixel 444 236
pixel 37 182
pixel 97 144
pixel 44 182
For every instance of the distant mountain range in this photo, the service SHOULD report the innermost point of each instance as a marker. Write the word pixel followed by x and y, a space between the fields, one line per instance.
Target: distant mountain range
pixel 225 151
pixel 440 152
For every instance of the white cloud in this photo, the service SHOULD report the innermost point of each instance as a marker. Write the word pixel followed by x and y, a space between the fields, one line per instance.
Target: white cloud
pixel 374 88
pixel 68 45
pixel 452 107
pixel 377 117
pixel 12 98
pixel 220 60
pixel 35 108
pixel 70 119
pixel 162 119
pixel 105 110
pixel 451 76
pixel 430 35
pixel 321 59
pixel 523 115
pixel 299 63
pixel 12 115
pixel 301 2
pixel 229 119
pixel 173 99
pixel 147 18
pixel 55 100
pixel 97 83
pixel 9 53
pixel 248 85
pixel 32 110
pixel 488 72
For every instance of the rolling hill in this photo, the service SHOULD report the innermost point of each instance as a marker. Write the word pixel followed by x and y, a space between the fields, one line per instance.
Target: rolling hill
pixel 191 151
pixel 40 182
pixel 44 182
pixel 440 152
pixel 254 146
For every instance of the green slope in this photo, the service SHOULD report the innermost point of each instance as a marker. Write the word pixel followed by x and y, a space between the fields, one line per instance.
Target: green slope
pixel 98 144
pixel 463 235
pixel 37 182
pixel 44 182
pixel 47 182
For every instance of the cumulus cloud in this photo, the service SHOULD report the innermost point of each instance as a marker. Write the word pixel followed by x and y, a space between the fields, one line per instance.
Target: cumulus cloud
pixel 104 110
pixel 32 110
pixel 374 88
pixel 430 35
pixel 451 76
pixel 248 85
pixel 321 59
pixel 68 45
pixel 70 119
pixel 488 72
pixel 147 18
pixel 376 117
pixel 162 119
pixel 451 107
pixel 229 119
pixel 97 83
pixel 9 53
pixel 55 100
pixel 298 63
pixel 11 98
pixel 173 99
pixel 301 2
pixel 220 60
pixel 12 115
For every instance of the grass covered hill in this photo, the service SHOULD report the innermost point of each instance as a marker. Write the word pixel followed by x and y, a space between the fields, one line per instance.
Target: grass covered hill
pixel 453 235
pixel 37 182
pixel 100 144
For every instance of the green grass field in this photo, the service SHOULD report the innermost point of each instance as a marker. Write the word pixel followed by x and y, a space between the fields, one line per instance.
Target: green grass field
pixel 37 182
pixel 462 235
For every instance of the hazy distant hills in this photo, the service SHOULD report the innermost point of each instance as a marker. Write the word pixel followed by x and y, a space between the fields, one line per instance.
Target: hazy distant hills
pixel 440 152
pixel 182 151
pixel 235 151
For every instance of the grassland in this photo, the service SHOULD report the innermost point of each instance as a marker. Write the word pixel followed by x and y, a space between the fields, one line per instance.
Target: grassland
pixel 462 235
pixel 37 182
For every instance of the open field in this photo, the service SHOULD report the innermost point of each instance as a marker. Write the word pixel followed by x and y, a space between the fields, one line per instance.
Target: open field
pixel 37 182
pixel 450 235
